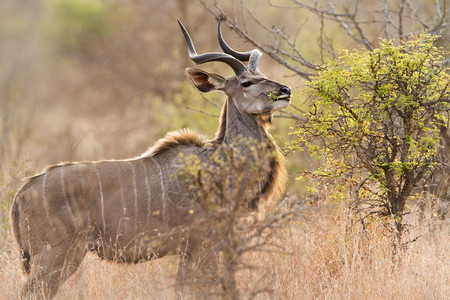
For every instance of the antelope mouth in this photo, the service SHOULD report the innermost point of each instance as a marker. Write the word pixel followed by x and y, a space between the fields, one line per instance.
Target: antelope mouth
pixel 284 97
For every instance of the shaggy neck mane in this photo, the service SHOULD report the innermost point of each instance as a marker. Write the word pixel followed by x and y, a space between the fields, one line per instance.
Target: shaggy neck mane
pixel 220 134
pixel 176 138
pixel 276 178
pixel 190 137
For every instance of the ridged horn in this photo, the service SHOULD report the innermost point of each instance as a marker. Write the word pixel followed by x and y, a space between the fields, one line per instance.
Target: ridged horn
pixel 234 63
pixel 251 56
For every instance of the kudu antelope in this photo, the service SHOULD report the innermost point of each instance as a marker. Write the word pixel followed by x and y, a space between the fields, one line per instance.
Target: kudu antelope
pixel 136 210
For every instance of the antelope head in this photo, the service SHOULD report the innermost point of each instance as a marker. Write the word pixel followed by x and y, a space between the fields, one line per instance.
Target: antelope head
pixel 251 91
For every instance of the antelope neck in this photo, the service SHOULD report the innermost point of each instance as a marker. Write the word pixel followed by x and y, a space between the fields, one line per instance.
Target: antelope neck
pixel 238 124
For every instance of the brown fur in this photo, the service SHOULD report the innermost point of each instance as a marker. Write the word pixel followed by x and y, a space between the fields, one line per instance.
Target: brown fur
pixel 137 209
pixel 222 125
pixel 25 259
pixel 278 177
pixel 176 138
pixel 48 168
pixel 277 181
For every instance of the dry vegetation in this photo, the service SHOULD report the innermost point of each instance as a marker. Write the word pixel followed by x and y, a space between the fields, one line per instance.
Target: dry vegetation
pixel 322 259
pixel 113 93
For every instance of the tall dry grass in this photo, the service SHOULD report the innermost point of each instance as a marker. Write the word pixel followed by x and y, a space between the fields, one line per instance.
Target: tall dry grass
pixel 330 260
pixel 115 100
pixel 324 258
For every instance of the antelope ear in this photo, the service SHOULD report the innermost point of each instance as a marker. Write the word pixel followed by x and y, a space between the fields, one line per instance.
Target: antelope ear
pixel 204 81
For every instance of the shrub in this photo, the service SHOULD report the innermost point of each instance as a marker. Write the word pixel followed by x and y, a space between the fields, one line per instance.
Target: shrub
pixel 375 122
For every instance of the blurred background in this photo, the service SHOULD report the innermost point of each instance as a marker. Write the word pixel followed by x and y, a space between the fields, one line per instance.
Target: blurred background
pixel 84 80
pixel 96 79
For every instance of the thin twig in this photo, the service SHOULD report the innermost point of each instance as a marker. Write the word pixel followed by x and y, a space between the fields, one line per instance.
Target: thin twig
pixel 359 210
pixel 290 115
pixel 208 101
pixel 200 111
pixel 386 19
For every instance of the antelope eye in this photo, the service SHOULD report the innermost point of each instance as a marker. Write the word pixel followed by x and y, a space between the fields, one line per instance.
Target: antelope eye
pixel 246 83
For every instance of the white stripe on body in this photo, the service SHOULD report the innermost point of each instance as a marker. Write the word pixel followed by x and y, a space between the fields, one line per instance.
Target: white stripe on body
pixel 101 196
pixel 83 183
pixel 147 188
pixel 163 189
pixel 66 199
pixel 135 194
pixel 44 198
pixel 122 198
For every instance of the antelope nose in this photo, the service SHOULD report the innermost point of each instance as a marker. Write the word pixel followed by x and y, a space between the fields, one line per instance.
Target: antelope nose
pixel 284 90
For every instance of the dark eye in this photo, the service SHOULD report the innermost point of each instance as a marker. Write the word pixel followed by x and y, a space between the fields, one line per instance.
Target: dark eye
pixel 246 83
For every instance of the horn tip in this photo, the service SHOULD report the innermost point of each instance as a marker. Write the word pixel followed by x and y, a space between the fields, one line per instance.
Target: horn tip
pixel 219 30
pixel 179 23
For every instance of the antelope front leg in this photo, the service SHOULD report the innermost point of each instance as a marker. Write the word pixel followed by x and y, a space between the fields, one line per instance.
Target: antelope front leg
pixel 198 274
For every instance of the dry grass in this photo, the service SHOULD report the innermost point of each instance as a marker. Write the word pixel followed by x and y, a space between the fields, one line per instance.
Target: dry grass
pixel 323 261
pixel 328 263
pixel 116 100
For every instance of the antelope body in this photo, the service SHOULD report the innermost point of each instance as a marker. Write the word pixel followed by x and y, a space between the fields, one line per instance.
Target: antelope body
pixel 138 209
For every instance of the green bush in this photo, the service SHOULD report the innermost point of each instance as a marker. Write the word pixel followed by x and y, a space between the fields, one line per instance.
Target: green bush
pixel 375 122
